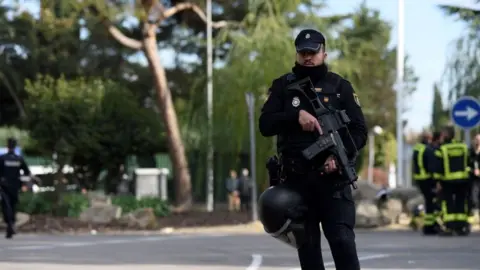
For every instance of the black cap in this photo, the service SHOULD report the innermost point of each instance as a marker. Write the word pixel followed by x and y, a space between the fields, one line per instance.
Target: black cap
pixel 309 40
pixel 11 143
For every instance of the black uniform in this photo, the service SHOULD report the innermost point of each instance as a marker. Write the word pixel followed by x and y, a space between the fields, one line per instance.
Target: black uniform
pixel 474 196
pixel 453 172
pixel 10 166
pixel 423 169
pixel 334 208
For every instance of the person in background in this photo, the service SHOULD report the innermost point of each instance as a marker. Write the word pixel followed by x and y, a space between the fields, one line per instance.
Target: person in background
pixel 232 190
pixel 11 165
pixel 474 190
pixel 245 189
pixel 423 165
pixel 453 173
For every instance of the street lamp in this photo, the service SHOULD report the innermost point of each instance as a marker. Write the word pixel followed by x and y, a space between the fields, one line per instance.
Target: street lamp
pixel 376 130
pixel 400 86
pixel 210 150
pixel 250 99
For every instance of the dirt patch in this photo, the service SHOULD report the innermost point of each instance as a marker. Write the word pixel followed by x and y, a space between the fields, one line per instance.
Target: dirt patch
pixel 49 224
pixel 193 222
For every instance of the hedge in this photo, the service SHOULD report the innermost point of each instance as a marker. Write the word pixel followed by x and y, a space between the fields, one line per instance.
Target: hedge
pixel 72 204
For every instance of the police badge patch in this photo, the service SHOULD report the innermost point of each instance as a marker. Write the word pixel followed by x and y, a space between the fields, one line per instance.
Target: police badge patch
pixel 295 102
pixel 357 100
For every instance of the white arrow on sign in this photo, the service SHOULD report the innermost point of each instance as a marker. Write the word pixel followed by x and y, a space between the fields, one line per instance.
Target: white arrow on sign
pixel 469 113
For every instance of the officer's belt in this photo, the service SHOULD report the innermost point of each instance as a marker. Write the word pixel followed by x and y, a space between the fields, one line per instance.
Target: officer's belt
pixel 299 165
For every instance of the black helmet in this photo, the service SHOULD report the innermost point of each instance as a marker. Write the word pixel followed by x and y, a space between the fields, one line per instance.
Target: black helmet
pixel 282 211
pixel 11 143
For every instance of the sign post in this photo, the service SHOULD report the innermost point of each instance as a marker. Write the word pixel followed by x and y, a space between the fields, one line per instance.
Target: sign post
pixel 250 98
pixel 466 115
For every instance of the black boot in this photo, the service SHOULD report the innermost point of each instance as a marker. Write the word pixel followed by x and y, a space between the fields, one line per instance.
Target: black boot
pixel 430 230
pixel 10 232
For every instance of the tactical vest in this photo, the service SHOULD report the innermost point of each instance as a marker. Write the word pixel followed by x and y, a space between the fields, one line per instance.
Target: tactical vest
pixel 418 164
pixel 454 156
pixel 329 93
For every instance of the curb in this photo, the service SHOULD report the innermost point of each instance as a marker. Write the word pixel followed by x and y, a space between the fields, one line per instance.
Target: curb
pixel 249 228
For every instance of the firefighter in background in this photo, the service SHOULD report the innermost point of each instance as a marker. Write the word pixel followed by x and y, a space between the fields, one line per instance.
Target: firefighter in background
pixel 437 140
pixel 474 195
pixel 423 162
pixel 452 170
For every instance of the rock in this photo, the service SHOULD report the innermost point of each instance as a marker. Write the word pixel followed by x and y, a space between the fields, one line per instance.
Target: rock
pixel 96 198
pixel 365 191
pixel 141 218
pixel 367 215
pixel 101 214
pixel 404 194
pixel 390 211
pixel 21 219
pixel 413 203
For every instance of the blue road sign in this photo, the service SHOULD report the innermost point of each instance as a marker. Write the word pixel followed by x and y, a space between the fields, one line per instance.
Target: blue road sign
pixel 466 112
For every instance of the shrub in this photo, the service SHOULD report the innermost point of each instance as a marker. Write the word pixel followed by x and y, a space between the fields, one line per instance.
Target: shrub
pixel 72 204
pixel 49 203
pixel 129 203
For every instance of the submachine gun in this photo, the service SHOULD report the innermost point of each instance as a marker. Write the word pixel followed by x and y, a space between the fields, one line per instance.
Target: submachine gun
pixel 331 122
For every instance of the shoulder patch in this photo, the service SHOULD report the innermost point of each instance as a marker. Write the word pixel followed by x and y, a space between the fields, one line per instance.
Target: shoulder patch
pixel 357 100
pixel 291 77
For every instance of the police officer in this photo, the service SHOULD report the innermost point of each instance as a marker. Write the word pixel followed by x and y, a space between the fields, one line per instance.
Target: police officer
pixel 10 183
pixel 453 173
pixel 288 116
pixel 423 162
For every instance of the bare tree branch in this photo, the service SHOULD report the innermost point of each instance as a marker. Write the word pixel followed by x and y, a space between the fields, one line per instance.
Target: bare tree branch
pixel 121 38
pixel 184 6
pixel 115 32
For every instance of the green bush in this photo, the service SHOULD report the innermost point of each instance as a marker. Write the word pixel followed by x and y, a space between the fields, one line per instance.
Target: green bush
pixel 72 204
pixel 129 203
pixel 34 204
pixel 48 203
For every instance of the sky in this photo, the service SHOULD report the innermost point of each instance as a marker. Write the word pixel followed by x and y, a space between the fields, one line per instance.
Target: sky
pixel 429 35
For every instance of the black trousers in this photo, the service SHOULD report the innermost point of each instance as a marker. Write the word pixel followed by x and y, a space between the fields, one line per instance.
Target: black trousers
pixel 9 205
pixel 427 187
pixel 335 210
pixel 455 203
pixel 245 201
pixel 474 194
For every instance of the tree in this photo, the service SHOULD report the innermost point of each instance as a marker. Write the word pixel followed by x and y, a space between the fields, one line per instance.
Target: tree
pixel 82 129
pixel 439 114
pixel 463 69
pixel 152 13
pixel 365 43
pixel 8 79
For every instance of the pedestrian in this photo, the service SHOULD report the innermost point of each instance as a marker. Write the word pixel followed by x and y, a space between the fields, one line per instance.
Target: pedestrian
pixel 11 165
pixel 453 173
pixel 423 168
pixel 245 189
pixel 290 117
pixel 232 191
pixel 474 190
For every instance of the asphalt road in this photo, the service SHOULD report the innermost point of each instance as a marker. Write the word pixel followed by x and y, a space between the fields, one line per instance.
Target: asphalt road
pixel 377 250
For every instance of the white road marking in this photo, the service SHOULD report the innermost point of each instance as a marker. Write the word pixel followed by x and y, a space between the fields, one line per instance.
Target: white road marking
pixel 361 258
pixel 111 241
pixel 256 262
